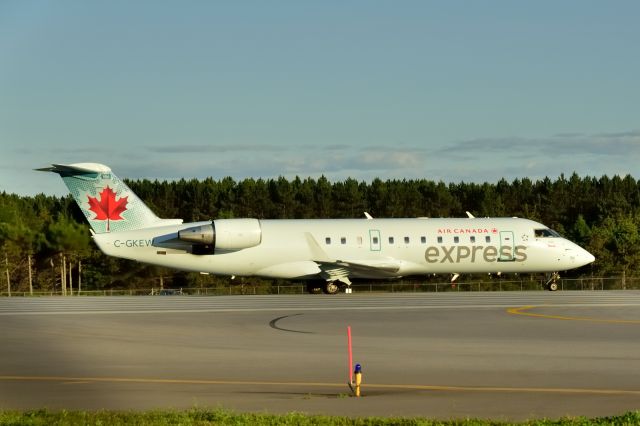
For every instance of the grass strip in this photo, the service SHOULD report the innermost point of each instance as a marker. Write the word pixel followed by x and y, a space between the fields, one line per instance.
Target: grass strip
pixel 200 417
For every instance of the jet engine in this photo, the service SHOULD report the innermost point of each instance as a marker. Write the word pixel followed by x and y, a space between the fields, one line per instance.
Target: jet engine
pixel 223 235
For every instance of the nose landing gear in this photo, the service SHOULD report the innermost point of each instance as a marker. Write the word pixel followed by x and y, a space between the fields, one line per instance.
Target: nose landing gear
pixel 552 282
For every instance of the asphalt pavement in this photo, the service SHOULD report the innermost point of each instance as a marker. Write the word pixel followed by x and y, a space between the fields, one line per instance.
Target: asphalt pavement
pixel 499 355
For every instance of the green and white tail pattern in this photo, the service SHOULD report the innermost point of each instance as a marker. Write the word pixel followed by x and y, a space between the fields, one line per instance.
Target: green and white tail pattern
pixel 107 202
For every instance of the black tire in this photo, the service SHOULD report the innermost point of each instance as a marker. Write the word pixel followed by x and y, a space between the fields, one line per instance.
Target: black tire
pixel 331 288
pixel 553 286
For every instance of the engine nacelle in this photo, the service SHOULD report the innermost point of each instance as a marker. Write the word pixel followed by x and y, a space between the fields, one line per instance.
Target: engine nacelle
pixel 236 234
pixel 224 234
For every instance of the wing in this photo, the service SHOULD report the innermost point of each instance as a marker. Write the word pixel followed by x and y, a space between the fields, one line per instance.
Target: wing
pixel 342 269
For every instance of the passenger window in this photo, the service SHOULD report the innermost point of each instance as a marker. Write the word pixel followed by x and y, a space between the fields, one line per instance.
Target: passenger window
pixel 327 240
pixel 406 240
pixel 456 239
pixel 390 240
pixel 343 240
pixel 472 238
pixel 375 240
pixel 423 240
pixel 439 239
pixel 487 239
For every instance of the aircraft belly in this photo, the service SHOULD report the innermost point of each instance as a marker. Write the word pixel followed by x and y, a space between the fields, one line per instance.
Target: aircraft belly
pixel 290 270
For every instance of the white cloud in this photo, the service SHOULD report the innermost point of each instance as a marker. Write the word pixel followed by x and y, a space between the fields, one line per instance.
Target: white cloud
pixel 475 160
pixel 567 144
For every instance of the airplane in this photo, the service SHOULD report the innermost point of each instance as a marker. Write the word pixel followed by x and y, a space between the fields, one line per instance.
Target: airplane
pixel 326 253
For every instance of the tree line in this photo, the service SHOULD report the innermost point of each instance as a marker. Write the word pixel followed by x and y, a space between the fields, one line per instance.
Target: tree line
pixel 47 238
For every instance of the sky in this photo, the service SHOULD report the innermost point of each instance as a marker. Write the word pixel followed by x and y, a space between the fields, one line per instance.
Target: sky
pixel 449 91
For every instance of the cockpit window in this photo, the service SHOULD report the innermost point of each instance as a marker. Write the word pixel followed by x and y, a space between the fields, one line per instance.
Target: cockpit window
pixel 546 233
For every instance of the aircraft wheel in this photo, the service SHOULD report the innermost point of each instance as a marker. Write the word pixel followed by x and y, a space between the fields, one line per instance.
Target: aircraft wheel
pixel 553 286
pixel 331 287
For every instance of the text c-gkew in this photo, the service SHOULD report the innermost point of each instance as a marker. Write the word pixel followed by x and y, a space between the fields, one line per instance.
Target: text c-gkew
pixel 132 243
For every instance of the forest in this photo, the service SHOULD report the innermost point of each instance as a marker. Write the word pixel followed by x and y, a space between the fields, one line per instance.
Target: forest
pixel 45 240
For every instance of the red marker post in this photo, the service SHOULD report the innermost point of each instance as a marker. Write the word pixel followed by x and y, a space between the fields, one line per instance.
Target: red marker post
pixel 350 355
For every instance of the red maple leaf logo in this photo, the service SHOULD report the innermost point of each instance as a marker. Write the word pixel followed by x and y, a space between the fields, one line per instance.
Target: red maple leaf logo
pixel 108 208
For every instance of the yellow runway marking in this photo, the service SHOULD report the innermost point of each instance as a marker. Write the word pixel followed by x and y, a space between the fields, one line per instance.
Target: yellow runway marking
pixel 70 380
pixel 521 311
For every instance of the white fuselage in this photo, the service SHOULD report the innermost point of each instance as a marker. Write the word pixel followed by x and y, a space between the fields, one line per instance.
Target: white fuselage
pixel 380 248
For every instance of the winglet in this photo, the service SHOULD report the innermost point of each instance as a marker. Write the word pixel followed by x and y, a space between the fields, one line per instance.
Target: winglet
pixel 470 216
pixel 368 216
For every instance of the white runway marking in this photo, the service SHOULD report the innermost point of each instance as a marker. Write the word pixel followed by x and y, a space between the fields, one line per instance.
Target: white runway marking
pixel 392 301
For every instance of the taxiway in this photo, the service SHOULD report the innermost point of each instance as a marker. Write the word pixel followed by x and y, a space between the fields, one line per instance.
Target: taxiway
pixel 509 356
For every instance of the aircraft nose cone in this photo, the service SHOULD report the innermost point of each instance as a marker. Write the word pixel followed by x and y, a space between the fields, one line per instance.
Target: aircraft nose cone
pixel 590 257
pixel 585 258
pixel 576 256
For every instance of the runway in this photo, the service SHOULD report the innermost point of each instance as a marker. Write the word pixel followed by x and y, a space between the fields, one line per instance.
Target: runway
pixel 499 355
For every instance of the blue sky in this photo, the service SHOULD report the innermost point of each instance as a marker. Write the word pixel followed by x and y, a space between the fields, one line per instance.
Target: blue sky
pixel 452 90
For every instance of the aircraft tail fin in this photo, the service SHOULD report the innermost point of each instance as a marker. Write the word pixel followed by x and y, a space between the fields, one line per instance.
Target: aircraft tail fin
pixel 106 201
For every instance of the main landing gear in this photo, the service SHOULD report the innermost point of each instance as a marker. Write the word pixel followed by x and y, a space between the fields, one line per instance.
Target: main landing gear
pixel 552 282
pixel 326 287
pixel 331 287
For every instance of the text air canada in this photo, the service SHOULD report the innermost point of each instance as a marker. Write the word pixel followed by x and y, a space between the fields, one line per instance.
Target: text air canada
pixel 467 231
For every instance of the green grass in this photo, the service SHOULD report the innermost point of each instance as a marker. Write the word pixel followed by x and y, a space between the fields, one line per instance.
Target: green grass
pixel 225 417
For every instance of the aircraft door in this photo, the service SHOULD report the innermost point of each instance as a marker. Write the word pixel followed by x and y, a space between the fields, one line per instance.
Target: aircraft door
pixel 374 239
pixel 506 246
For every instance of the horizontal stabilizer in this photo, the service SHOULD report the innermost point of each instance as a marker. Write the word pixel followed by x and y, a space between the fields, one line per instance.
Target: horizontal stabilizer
pixel 77 168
